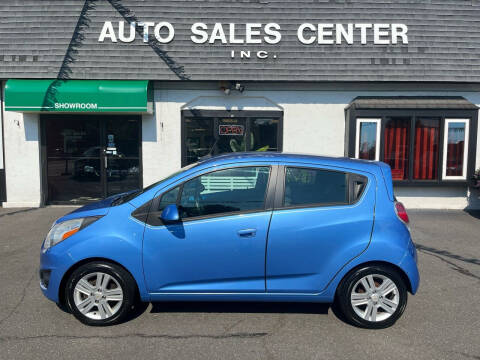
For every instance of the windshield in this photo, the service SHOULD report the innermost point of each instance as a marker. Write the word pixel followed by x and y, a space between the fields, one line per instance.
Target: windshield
pixel 130 196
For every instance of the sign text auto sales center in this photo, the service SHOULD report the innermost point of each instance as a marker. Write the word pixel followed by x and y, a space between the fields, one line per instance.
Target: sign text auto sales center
pixel 101 97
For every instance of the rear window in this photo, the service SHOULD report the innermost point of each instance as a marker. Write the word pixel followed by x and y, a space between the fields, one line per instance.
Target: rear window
pixel 306 186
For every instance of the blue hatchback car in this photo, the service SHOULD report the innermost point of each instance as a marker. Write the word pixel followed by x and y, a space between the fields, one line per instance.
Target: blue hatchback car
pixel 240 227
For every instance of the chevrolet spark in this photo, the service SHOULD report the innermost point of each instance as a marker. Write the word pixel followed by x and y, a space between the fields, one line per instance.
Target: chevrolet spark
pixel 240 227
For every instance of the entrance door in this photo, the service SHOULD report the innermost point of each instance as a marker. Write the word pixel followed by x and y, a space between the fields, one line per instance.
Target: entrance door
pixel 90 157
pixel 122 154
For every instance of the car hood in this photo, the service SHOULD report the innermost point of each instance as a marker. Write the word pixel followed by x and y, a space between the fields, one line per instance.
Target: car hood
pixel 98 208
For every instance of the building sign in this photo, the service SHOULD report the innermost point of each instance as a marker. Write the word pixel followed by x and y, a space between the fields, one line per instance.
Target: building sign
pixel 76 106
pixel 109 96
pixel 259 34
pixel 230 130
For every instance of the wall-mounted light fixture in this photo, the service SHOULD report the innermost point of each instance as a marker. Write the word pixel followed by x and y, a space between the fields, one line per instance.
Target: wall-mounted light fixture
pixel 228 86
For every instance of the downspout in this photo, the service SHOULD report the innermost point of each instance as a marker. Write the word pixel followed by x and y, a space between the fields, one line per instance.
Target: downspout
pixel 2 117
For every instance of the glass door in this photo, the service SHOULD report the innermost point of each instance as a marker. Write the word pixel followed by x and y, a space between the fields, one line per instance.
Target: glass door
pixel 90 157
pixel 73 154
pixel 122 155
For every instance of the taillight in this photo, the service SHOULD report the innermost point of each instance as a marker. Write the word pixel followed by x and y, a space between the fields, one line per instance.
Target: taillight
pixel 401 212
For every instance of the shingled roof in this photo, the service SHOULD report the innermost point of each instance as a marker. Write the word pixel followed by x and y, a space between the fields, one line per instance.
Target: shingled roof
pixel 36 39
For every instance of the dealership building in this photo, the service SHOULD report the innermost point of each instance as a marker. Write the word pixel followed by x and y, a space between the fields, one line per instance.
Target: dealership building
pixel 101 97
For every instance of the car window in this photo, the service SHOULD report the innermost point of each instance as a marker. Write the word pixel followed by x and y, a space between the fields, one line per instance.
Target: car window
pixel 304 186
pixel 168 198
pixel 225 191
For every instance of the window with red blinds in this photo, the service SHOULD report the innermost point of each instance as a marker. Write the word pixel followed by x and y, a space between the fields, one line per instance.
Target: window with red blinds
pixel 425 160
pixel 397 143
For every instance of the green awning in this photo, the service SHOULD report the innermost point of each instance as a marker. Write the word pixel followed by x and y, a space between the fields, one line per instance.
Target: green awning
pixel 117 96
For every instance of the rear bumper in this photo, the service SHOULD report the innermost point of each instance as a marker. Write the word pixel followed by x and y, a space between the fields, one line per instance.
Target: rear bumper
pixel 409 265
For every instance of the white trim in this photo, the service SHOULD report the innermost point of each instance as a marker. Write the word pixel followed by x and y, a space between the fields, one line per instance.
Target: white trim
pixel 465 149
pixel 100 107
pixel 27 107
pixel 377 139
pixel 122 107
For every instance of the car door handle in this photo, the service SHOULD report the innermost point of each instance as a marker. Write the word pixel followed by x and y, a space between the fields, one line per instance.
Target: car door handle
pixel 247 232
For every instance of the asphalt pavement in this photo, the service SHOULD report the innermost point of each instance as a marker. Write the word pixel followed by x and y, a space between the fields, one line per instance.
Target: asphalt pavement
pixel 441 322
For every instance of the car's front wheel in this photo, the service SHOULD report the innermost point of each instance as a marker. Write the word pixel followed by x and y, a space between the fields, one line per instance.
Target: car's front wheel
pixel 100 293
pixel 372 297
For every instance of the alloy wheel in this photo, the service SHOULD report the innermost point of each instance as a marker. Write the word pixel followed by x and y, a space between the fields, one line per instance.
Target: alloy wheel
pixel 375 298
pixel 98 296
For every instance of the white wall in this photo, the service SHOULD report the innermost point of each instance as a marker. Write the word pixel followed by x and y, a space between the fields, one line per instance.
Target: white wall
pixel 22 159
pixel 314 122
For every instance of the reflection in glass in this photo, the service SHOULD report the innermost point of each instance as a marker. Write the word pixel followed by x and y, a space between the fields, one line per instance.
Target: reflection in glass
pixel 122 175
pixel 224 191
pixel 206 135
pixel 425 161
pixel 367 141
pixel 76 180
pixel 199 138
pixel 397 142
pixel 122 170
pixel 455 148
pixel 263 134
pixel 314 186
pixel 73 159
pixel 121 135
pixel 170 197
pixel 72 136
pixel 232 136
pixel 82 166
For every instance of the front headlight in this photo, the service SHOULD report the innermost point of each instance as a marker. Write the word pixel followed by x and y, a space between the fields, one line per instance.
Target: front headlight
pixel 65 229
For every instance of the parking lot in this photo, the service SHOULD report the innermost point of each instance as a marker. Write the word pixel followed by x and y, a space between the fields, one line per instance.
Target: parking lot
pixel 441 322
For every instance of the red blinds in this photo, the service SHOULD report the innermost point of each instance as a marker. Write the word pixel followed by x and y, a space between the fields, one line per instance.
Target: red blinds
pixel 396 146
pixel 425 161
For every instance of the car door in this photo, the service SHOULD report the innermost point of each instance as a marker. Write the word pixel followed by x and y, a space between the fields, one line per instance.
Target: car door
pixel 219 244
pixel 323 218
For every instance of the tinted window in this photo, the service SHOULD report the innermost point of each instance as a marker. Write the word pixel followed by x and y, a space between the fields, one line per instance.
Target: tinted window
pixel 170 197
pixel 313 186
pixel 217 134
pixel 224 191
pixel 359 183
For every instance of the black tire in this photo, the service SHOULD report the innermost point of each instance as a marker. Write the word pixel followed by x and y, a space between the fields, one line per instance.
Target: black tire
pixel 120 275
pixel 344 291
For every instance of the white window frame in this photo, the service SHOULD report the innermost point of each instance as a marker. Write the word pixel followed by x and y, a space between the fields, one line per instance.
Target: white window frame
pixel 465 150
pixel 377 121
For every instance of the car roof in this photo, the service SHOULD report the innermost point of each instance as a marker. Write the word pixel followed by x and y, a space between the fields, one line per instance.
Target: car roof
pixel 278 157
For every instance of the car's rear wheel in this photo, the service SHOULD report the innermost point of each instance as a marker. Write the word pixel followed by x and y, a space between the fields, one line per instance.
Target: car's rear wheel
pixel 100 293
pixel 372 297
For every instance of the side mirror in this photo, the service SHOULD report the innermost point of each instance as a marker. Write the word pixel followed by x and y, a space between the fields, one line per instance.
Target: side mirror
pixel 170 214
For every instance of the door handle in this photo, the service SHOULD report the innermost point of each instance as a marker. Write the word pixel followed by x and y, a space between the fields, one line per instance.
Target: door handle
pixel 247 232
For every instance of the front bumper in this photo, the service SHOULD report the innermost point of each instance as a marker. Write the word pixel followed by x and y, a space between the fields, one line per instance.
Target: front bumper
pixel 55 265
